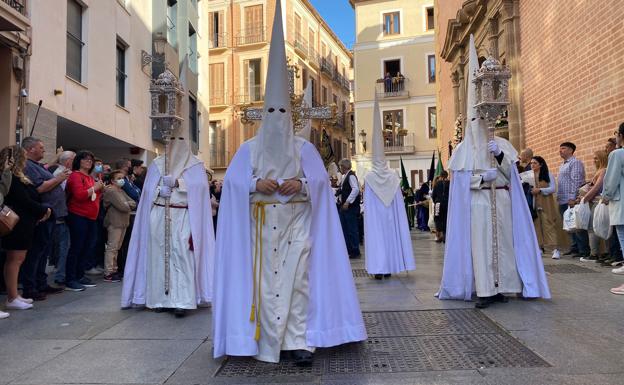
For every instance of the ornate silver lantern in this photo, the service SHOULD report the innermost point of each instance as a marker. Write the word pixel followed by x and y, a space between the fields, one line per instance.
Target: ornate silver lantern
pixel 492 84
pixel 166 94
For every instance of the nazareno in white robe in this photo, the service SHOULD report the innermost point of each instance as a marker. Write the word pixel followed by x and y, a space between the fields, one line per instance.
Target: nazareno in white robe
pixel 458 277
pixel 387 239
pixel 199 214
pixel 333 315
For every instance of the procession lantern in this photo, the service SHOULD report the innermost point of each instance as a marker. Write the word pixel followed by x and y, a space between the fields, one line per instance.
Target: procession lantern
pixel 166 93
pixel 492 89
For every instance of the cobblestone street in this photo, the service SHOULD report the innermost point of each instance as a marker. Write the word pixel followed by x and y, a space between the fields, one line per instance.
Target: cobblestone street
pixel 84 338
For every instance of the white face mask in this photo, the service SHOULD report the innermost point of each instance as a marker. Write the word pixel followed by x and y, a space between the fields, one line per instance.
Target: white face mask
pixel 120 182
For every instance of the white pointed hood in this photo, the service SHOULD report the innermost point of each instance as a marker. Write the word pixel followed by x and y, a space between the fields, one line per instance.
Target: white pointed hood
pixel 306 130
pixel 381 179
pixel 472 152
pixel 274 154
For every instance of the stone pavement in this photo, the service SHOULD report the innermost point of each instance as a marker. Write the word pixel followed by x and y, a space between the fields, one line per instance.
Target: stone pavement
pixel 577 338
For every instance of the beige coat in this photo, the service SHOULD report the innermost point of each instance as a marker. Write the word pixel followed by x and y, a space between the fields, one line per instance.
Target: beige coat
pixel 118 205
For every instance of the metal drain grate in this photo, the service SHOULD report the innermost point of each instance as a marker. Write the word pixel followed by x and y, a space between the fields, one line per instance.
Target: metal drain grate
pixel 361 273
pixel 406 341
pixel 568 268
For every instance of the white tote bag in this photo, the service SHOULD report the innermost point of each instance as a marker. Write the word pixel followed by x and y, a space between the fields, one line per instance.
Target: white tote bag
pixel 602 227
pixel 569 220
pixel 582 216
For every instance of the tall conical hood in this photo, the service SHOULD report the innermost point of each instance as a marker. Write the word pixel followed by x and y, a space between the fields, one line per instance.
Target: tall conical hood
pixel 381 179
pixel 274 154
pixel 306 130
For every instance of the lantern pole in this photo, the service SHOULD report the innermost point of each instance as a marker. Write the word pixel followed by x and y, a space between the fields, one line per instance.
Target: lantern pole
pixel 492 81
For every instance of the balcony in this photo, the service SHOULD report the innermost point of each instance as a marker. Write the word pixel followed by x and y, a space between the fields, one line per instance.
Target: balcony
pixel 251 36
pixel 250 95
pixel 399 142
pixel 218 158
pixel 327 67
pixel 392 88
pixel 18 5
pixel 13 16
pixel 314 58
pixel 218 41
pixel 219 98
pixel 301 45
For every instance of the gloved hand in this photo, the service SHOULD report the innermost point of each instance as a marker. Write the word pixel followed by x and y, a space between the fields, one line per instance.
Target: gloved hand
pixel 165 191
pixel 169 181
pixel 493 148
pixel 489 175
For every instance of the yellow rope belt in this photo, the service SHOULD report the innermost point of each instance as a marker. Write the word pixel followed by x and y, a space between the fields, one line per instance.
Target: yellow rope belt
pixel 260 216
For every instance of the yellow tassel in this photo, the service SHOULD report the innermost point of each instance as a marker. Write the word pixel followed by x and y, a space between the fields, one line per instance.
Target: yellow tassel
pixel 252 316
pixel 257 332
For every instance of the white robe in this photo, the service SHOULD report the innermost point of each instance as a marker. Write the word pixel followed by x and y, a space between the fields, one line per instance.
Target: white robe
pixel 333 315
pixel 387 239
pixel 481 235
pixel 192 272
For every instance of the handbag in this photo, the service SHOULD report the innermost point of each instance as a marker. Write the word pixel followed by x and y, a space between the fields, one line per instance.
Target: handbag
pixel 8 220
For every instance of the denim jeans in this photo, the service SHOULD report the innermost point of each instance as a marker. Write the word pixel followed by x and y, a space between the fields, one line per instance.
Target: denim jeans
pixel 82 235
pixel 61 248
pixel 349 222
pixel 580 239
pixel 620 234
pixel 33 271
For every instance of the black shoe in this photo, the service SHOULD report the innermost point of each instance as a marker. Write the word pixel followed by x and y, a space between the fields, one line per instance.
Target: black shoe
pixel 354 256
pixel 34 295
pixel 387 275
pixel 378 276
pixel 484 302
pixel 52 290
pixel 570 252
pixel 86 282
pixel 302 357
pixel 500 298
pixel 179 313
pixel 161 309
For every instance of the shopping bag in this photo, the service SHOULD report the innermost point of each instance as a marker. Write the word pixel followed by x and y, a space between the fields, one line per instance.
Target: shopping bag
pixel 582 216
pixel 569 220
pixel 602 227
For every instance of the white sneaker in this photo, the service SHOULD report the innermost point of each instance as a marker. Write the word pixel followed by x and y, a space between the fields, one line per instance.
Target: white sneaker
pixel 619 270
pixel 556 254
pixel 4 314
pixel 26 300
pixel 16 304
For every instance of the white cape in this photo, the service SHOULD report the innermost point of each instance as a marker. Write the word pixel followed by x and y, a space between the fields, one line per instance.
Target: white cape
pixel 387 239
pixel 334 315
pixel 457 274
pixel 200 215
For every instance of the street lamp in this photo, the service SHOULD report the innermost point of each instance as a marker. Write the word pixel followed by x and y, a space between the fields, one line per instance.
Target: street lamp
pixel 159 43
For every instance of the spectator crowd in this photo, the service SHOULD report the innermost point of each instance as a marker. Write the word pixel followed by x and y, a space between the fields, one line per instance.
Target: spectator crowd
pixel 74 214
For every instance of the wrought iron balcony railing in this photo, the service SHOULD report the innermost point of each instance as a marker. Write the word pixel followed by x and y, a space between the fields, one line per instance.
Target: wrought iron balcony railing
pixel 399 142
pixel 217 40
pixel 392 87
pixel 18 5
pixel 327 67
pixel 314 57
pixel 219 98
pixel 251 36
pixel 251 94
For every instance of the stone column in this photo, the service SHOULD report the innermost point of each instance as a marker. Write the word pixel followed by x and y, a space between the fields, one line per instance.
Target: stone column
pixel 455 80
pixel 510 22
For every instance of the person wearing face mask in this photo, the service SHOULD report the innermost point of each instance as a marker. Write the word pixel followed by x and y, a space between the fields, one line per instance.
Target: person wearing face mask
pixel 129 188
pixel 118 206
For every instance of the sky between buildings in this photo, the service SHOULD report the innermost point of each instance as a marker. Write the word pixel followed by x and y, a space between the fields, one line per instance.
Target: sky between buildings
pixel 340 17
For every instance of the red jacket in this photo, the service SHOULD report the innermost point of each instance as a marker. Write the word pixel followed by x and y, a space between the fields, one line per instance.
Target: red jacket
pixel 79 200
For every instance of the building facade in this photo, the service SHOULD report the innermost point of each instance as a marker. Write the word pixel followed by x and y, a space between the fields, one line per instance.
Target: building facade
pixel 91 67
pixel 239 36
pixel 568 84
pixel 394 61
pixel 14 49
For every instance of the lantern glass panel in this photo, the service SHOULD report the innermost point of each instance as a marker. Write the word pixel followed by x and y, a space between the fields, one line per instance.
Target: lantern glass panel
pixel 162 104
